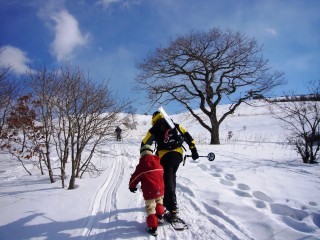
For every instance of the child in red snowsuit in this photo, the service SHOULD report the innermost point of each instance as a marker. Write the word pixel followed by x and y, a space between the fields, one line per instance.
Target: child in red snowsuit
pixel 149 172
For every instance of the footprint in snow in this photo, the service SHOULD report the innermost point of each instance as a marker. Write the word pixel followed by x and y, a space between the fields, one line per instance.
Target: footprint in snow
pixel 230 177
pixel 216 174
pixel 285 210
pixel 316 219
pixel 226 182
pixel 243 187
pixel 216 169
pixel 298 226
pixel 242 194
pixel 262 196
pixel 260 204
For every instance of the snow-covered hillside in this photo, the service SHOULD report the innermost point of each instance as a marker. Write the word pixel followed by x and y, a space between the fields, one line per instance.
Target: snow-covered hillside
pixel 257 188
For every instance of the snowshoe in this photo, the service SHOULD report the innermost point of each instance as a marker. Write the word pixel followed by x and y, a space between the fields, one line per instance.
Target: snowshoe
pixel 176 222
pixel 152 231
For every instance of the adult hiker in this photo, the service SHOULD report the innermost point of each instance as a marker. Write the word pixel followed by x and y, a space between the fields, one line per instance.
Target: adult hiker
pixel 169 148
pixel 118 132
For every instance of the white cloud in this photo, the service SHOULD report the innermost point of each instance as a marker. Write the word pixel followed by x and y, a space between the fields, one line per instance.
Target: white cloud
pixel 271 31
pixel 67 35
pixel 15 58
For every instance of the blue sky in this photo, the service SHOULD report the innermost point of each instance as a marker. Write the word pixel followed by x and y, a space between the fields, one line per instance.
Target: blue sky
pixel 108 37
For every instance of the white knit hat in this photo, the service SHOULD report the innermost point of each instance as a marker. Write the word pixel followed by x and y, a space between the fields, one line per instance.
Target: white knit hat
pixel 146 150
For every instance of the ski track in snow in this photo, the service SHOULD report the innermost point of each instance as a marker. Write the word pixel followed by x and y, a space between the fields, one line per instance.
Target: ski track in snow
pixel 104 203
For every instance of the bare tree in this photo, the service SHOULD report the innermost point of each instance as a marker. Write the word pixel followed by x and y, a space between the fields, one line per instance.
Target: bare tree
pixel 200 69
pixel 302 121
pixel 76 115
pixel 44 85
pixel 89 114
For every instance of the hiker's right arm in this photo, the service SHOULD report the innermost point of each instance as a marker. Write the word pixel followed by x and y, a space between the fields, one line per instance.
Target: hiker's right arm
pixel 148 139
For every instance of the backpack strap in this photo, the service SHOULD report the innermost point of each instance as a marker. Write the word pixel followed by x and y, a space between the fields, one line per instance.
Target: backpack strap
pixel 166 135
pixel 177 126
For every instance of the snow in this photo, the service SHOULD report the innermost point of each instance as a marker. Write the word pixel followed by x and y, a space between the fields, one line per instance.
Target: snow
pixel 256 188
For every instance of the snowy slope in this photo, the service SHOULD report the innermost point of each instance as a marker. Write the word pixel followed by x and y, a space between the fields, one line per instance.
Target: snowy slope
pixel 256 188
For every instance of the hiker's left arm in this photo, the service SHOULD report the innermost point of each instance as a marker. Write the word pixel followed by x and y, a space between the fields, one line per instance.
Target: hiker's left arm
pixel 188 138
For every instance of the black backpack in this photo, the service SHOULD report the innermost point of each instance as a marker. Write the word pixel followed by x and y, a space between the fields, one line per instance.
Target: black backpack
pixel 172 138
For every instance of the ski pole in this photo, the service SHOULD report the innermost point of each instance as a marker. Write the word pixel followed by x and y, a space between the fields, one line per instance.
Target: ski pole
pixel 211 156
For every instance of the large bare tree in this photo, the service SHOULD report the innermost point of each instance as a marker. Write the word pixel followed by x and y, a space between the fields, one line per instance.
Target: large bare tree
pixel 200 69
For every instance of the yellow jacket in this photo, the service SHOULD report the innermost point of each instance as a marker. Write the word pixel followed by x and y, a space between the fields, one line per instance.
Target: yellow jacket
pixel 156 133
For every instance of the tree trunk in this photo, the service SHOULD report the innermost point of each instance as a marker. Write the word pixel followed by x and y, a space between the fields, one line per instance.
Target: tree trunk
pixel 215 139
pixel 40 164
pixel 50 174
pixel 63 175
pixel 73 170
pixel 48 160
pixel 72 182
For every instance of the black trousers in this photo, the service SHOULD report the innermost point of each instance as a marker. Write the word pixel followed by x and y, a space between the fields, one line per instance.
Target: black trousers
pixel 170 162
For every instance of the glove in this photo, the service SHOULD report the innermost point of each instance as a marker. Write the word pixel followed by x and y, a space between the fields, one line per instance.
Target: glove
pixel 194 154
pixel 133 190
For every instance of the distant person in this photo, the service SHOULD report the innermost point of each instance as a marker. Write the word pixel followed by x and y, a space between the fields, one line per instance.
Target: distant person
pixel 118 133
pixel 150 173
pixel 169 148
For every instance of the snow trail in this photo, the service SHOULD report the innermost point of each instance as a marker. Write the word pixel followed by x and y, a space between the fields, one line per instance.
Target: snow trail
pixel 104 203
pixel 205 221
